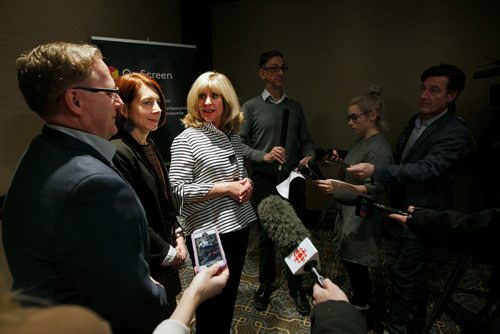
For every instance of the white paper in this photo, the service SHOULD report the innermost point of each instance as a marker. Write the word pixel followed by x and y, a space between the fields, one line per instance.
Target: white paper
pixel 284 187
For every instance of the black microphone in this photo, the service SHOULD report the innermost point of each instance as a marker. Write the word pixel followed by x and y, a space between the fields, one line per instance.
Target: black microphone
pixel 286 230
pixel 365 204
pixel 284 129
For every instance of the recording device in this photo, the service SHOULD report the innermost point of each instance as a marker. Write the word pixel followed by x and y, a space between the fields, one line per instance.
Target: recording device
pixel 365 205
pixel 284 130
pixel 311 170
pixel 303 259
pixel 207 249
pixel 338 163
pixel 324 153
pixel 285 229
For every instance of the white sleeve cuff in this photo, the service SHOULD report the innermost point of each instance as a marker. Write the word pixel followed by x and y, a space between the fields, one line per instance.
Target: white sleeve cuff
pixel 172 252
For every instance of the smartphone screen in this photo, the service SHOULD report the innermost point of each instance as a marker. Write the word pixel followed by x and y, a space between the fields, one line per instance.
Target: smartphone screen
pixel 207 248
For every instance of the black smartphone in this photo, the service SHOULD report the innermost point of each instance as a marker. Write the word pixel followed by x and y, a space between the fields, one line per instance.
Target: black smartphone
pixel 338 163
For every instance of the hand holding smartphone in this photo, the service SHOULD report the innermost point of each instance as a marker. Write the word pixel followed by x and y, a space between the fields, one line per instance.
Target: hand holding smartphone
pixel 207 249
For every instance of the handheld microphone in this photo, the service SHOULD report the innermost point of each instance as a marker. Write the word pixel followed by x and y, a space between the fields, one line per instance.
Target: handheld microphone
pixel 284 130
pixel 364 204
pixel 285 229
pixel 281 223
pixel 305 258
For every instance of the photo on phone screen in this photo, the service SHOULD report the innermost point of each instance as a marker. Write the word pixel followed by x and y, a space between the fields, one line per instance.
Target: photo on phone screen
pixel 207 248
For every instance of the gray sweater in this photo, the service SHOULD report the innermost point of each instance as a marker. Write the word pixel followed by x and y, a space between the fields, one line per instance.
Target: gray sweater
pixel 358 237
pixel 261 131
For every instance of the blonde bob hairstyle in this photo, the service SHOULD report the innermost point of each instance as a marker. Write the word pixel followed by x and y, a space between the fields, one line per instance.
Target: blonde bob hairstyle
pixel 217 83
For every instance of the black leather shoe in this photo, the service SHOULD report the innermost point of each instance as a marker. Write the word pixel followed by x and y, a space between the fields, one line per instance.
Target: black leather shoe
pixel 301 303
pixel 261 297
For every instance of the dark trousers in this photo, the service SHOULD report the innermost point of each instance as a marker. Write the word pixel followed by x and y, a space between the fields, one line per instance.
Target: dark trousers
pixel 494 285
pixel 216 314
pixel 264 186
pixel 359 276
pixel 409 286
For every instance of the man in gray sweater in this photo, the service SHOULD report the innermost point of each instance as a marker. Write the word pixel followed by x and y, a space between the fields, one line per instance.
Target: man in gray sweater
pixel 272 162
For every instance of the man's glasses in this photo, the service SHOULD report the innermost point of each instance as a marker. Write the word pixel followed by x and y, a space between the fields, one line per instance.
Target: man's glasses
pixel 276 68
pixel 111 92
pixel 354 117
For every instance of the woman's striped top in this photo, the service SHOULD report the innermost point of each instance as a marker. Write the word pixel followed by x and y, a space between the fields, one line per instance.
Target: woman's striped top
pixel 201 157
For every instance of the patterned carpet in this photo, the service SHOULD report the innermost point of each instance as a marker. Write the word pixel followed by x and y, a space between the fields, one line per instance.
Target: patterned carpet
pixel 281 317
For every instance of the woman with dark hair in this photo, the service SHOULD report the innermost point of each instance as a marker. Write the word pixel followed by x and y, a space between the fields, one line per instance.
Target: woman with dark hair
pixel 141 164
pixel 357 237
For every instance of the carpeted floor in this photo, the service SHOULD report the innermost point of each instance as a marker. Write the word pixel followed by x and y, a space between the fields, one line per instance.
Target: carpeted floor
pixel 281 317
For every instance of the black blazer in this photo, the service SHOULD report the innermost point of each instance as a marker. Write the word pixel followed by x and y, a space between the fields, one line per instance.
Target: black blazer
pixel 425 177
pixel 75 232
pixel 160 209
pixel 337 317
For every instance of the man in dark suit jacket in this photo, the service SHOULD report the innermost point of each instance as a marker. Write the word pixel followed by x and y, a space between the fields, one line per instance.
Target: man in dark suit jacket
pixel 74 231
pixel 428 152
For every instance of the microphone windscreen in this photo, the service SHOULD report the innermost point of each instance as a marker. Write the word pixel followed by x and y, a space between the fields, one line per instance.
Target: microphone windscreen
pixel 345 197
pixel 281 223
pixel 284 127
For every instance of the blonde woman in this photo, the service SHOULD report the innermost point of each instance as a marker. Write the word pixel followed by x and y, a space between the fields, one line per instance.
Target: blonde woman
pixel 357 237
pixel 211 185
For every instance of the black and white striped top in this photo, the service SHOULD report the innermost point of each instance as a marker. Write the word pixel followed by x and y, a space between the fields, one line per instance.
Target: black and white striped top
pixel 201 157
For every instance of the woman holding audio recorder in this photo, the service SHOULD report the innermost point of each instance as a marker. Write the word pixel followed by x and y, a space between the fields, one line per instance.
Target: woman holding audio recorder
pixel 357 238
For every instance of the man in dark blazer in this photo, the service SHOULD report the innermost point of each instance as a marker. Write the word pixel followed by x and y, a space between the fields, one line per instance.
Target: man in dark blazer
pixel 428 153
pixel 74 231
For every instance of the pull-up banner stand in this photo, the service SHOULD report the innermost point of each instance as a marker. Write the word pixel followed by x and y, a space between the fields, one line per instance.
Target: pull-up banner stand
pixel 173 66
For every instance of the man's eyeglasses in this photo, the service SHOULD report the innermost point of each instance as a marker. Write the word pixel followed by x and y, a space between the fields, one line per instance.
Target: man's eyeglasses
pixel 276 68
pixel 354 117
pixel 111 92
